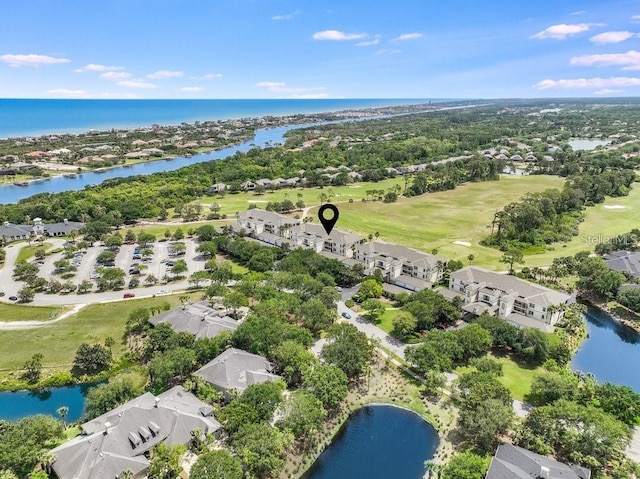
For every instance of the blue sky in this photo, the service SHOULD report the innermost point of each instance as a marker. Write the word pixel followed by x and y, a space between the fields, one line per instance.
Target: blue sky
pixel 313 49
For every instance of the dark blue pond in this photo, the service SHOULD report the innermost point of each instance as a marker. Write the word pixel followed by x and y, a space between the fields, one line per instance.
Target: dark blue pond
pixel 611 352
pixel 19 404
pixel 378 442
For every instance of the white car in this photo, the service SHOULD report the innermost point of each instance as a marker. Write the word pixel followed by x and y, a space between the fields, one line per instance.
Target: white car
pixel 163 291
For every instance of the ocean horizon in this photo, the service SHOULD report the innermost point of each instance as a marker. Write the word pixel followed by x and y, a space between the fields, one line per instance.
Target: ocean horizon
pixel 37 117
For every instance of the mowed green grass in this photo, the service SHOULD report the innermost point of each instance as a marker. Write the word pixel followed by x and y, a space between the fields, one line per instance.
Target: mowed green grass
pixel 58 342
pixel 517 376
pixel 601 223
pixel 27 252
pixel 232 203
pixel 14 312
pixel 438 220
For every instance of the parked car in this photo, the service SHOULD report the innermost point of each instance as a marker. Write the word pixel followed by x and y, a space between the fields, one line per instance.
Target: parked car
pixel 129 295
pixel 13 298
pixel 137 256
pixel 346 315
pixel 1 293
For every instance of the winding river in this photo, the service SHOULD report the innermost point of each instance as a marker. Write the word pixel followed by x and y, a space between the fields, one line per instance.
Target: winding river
pixel 263 137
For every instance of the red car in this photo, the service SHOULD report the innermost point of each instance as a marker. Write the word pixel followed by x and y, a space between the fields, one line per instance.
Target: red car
pixel 129 295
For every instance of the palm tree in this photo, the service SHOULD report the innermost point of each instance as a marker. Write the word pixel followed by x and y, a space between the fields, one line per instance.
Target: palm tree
pixel 471 258
pixel 63 412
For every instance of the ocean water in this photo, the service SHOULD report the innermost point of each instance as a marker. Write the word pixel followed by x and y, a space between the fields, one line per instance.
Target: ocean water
pixel 32 117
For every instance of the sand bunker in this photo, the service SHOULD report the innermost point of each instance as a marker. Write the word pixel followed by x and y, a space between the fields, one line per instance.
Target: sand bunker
pixel 257 201
pixel 614 207
pixel 462 243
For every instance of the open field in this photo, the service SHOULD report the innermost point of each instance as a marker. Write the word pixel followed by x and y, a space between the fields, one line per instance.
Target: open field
pixel 58 342
pixel 438 220
pixel 601 222
pixel 232 203
pixel 464 215
pixel 517 376
pixel 14 312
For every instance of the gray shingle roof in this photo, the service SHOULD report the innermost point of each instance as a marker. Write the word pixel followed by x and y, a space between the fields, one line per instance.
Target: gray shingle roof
pixel 236 369
pixel 407 255
pixel 197 319
pixel 508 283
pixel 339 236
pixel 624 261
pixel 512 462
pixel 117 440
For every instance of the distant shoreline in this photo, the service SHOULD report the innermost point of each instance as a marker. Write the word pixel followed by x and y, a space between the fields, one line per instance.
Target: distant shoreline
pixel 70 116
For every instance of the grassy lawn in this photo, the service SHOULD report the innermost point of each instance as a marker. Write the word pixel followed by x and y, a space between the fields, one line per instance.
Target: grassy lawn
pixel 601 221
pixel 13 312
pixel 28 252
pixel 58 342
pixel 439 220
pixel 517 376
pixel 386 320
pixel 232 203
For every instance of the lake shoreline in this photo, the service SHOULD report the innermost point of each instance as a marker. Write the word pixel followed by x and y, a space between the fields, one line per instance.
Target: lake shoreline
pixel 430 412
pixel 601 305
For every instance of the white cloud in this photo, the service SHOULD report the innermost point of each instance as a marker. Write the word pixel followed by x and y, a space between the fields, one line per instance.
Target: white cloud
pixel 191 88
pixel 338 35
pixel 31 60
pixel 562 31
pixel 295 92
pixel 599 83
pixel 635 17
pixel 628 61
pixel 136 84
pixel 607 91
pixel 611 37
pixel 579 12
pixel 409 36
pixel 387 51
pixel 111 75
pixel 368 43
pixel 207 76
pixel 164 74
pixel 288 16
pixel 67 92
pixel 93 67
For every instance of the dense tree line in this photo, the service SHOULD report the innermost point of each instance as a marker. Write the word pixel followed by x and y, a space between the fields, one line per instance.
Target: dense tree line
pixel 554 215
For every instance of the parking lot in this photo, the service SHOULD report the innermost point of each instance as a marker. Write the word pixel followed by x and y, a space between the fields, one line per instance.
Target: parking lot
pixel 140 266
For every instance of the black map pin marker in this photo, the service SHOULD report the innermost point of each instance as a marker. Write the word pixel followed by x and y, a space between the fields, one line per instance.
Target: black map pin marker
pixel 328 223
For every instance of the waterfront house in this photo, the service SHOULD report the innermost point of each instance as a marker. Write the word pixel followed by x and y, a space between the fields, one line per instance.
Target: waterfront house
pixel 236 370
pixel 517 301
pixel 197 319
pixel 624 262
pixel 512 462
pixel 405 267
pixel 122 438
